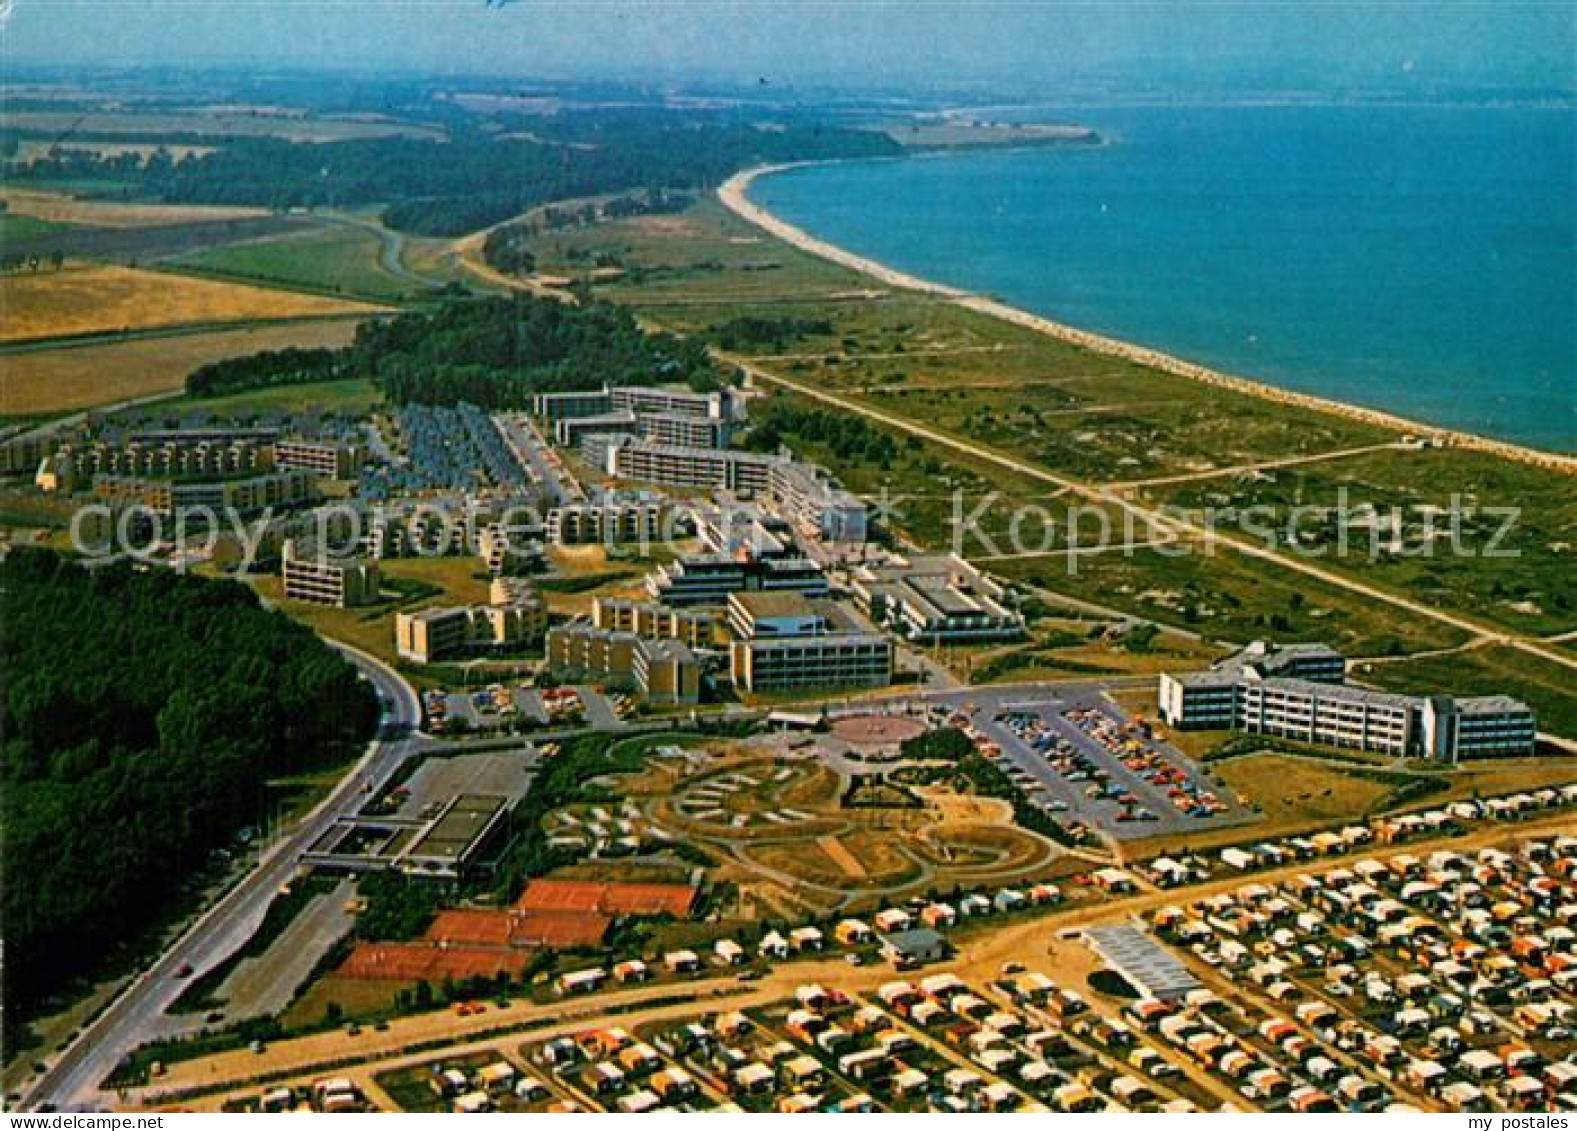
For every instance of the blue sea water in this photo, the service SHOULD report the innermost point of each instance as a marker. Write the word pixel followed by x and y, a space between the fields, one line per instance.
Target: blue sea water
pixel 1421 260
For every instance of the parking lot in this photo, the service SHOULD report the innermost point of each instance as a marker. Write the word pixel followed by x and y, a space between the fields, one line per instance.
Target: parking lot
pixel 499 706
pixel 1083 760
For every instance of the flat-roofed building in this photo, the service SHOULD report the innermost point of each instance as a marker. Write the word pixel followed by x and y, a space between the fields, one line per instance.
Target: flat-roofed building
pixel 788 643
pixel 675 465
pixel 702 579
pixel 667 672
pixel 809 497
pixel 648 619
pixel 608 523
pixel 327 459
pixel 239 496
pixel 514 615
pixel 323 579
pixel 935 599
pixel 663 671
pixel 1298 692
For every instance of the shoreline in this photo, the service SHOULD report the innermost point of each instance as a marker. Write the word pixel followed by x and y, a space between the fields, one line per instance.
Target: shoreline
pixel 734 194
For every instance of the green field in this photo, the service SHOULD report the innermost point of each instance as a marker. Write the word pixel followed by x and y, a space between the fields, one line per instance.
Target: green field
pixel 341 260
pixel 14 226
pixel 351 397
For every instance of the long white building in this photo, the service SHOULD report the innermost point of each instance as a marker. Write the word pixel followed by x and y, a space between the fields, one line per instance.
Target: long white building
pixel 1297 692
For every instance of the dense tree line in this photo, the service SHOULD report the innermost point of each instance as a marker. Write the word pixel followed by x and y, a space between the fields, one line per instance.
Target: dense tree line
pixel 473 179
pixel 849 437
pixel 490 352
pixel 755 332
pixel 289 366
pixel 143 713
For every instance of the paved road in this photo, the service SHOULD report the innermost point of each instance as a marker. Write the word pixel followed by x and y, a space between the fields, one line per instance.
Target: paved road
pixel 73 1079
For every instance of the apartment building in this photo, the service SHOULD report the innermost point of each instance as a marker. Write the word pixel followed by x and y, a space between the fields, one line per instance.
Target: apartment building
pixel 1297 692
pixel 935 599
pixel 326 459
pixel 709 579
pixel 815 502
pixel 607 523
pixel 241 496
pixel 673 465
pixel 787 643
pixel 187 455
pixel 662 671
pixel 515 615
pixel 647 619
pixel 323 579
pixel 744 528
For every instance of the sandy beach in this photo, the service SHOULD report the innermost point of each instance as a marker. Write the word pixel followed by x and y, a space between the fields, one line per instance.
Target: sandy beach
pixel 735 195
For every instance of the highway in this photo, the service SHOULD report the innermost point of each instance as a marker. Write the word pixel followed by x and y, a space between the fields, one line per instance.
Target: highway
pixel 72 1080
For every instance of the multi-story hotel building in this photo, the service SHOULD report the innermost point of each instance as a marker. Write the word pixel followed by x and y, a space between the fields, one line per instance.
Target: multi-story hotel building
pixel 326 459
pixel 788 643
pixel 1297 692
pixel 327 580
pixel 514 615
pixel 607 523
pixel 242 496
pixel 695 627
pixel 673 465
pixel 663 671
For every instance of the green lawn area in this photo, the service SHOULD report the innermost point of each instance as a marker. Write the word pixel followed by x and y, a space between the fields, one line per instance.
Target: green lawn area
pixel 337 260
pixel 14 226
pixel 351 397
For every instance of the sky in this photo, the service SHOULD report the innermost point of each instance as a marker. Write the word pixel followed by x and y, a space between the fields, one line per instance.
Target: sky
pixel 1010 44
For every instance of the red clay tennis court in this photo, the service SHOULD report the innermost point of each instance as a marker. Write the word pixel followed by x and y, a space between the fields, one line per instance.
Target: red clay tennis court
pixel 426 961
pixel 611 898
pixel 554 930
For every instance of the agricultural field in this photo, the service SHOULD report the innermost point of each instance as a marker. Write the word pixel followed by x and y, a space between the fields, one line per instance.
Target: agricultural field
pixel 83 300
pixel 209 122
pixel 41 383
pixel 62 208
pixel 340 259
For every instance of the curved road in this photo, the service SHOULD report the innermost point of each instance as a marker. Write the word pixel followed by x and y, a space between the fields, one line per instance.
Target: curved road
pixel 72 1081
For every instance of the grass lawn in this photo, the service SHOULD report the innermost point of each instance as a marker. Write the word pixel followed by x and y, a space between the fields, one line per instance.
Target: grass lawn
pixel 17 226
pixel 350 397
pixel 458 581
pixel 340 260
pixel 1291 789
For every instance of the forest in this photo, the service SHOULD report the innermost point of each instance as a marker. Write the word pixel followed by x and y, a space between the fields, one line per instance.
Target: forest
pixel 775 422
pixel 144 714
pixel 490 352
pixel 471 180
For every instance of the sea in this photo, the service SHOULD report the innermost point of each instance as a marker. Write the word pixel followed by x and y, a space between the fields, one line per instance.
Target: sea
pixel 1420 259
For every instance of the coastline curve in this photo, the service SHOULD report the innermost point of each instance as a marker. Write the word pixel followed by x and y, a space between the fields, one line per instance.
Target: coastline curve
pixel 734 194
